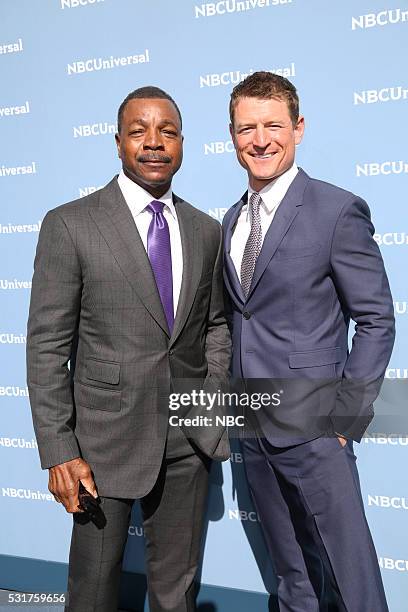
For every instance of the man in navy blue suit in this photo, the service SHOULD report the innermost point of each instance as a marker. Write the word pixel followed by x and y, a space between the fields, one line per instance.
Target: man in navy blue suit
pixel 300 263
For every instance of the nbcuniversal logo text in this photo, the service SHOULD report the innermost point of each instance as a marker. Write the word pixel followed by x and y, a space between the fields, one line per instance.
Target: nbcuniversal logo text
pixel 84 191
pixel 94 129
pixel 401 308
pixel 136 530
pixel 18 443
pixel 76 3
pixel 243 515
pixel 382 439
pixel 396 373
pixel 382 18
pixel 18 170
pixel 20 109
pixel 13 391
pixel 217 213
pixel 232 77
pixel 11 285
pixel 28 494
pixel 20 228
pixel 210 9
pixel 382 168
pixel 13 47
pixel 387 563
pixel 391 239
pixel 384 501
pixel 218 147
pixel 386 94
pixel 10 338
pixel 94 64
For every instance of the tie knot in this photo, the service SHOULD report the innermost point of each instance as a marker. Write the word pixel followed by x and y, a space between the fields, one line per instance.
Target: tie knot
pixel 156 206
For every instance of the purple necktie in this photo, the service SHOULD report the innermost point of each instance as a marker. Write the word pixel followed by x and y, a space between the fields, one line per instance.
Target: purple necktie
pixel 159 252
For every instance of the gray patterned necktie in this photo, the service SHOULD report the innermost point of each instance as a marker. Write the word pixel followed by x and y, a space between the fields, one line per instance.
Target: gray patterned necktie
pixel 253 244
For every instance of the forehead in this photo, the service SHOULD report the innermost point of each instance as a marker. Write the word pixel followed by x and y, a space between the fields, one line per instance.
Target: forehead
pixel 149 109
pixel 258 109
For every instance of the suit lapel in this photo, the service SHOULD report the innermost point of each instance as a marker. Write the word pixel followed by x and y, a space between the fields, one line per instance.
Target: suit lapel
pixel 230 274
pixel 191 243
pixel 283 219
pixel 117 226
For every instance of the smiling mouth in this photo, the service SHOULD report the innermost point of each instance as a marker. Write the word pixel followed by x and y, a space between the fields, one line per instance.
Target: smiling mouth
pixel 263 156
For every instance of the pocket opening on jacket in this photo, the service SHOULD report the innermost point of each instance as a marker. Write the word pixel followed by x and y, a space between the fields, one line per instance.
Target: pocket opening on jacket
pixel 102 371
pixel 316 358
pixel 97 398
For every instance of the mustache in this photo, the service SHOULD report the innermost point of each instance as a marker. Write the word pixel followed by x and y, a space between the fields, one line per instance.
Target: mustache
pixel 154 157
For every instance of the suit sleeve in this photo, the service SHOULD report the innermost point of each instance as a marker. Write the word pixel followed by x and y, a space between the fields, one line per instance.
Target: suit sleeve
pixel 227 297
pixel 52 326
pixel 218 342
pixel 363 289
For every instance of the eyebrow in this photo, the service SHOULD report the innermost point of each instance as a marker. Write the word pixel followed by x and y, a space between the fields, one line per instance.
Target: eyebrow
pixel 254 123
pixel 145 123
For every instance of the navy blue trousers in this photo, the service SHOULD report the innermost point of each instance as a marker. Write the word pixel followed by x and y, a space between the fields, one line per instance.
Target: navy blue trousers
pixel 309 503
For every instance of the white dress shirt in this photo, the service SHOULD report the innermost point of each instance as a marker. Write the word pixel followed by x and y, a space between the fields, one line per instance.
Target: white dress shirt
pixel 272 195
pixel 137 199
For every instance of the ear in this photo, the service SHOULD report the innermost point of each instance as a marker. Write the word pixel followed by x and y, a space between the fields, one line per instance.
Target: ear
pixel 231 130
pixel 117 139
pixel 299 130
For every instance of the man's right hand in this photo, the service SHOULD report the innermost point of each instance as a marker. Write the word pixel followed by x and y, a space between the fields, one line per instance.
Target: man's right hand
pixel 64 481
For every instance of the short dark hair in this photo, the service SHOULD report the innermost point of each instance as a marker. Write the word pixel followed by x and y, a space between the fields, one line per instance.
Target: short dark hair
pixel 149 92
pixel 266 85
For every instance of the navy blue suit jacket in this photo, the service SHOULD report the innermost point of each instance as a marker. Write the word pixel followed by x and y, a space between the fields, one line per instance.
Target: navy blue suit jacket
pixel 318 268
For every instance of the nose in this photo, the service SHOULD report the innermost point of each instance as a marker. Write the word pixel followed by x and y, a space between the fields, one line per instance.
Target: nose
pixel 261 137
pixel 153 139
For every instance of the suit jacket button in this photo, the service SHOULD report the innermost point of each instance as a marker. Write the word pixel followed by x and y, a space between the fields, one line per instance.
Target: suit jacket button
pixel 246 314
pixel 171 351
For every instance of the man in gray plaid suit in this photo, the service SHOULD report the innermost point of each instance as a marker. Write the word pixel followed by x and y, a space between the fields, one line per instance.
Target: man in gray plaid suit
pixel 127 288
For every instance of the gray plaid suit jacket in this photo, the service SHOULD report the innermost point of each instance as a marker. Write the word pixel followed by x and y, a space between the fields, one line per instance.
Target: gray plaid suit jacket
pixel 100 359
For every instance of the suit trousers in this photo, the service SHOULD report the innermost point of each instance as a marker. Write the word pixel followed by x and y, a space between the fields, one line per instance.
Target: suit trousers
pixel 310 507
pixel 173 514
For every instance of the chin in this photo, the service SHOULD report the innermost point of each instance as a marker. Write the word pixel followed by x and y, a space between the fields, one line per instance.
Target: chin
pixel 264 178
pixel 157 180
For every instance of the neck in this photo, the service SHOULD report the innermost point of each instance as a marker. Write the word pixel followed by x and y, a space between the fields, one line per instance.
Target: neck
pixel 259 184
pixel 156 191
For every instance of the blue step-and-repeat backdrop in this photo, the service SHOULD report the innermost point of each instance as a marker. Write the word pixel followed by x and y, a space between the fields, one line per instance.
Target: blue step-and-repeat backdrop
pixel 65 66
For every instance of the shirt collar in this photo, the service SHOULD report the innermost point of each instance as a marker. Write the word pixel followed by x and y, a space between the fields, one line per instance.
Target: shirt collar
pixel 274 192
pixel 138 198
